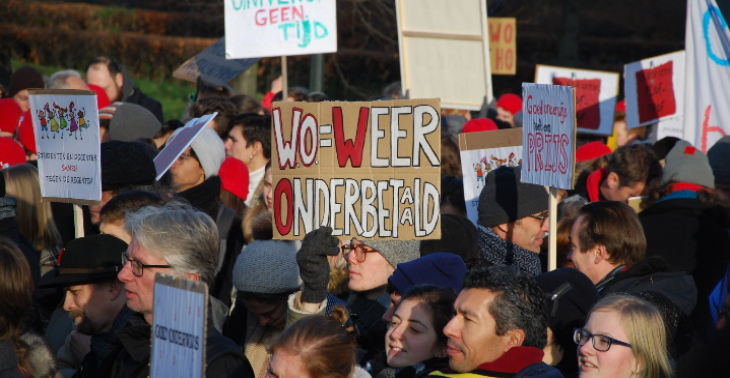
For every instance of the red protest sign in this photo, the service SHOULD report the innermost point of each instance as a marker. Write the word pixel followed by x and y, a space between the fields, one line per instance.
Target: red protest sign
pixel 655 92
pixel 587 93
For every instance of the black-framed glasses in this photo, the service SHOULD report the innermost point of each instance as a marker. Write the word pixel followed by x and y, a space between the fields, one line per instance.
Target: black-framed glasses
pixel 138 267
pixel 601 343
pixel 541 218
pixel 359 252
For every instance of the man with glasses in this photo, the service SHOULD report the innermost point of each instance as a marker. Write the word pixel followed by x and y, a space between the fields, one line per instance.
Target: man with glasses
pixel 513 220
pixel 176 240
pixel 500 326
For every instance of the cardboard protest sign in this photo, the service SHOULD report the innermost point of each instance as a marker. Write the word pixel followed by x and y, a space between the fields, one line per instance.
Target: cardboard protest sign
pixel 444 51
pixel 212 66
pixel 178 328
pixel 503 45
pixel 482 152
pixel 181 141
pixel 654 89
pixel 548 135
pixel 596 93
pixel 369 170
pixel 258 28
pixel 66 128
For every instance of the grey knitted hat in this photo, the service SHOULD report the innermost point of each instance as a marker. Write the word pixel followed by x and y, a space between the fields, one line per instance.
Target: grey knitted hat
pixel 267 267
pixel 130 122
pixel 719 156
pixel 210 150
pixel 688 164
pixel 396 251
pixel 505 198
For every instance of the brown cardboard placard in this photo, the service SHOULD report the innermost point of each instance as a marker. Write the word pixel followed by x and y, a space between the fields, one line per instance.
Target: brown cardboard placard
pixel 347 153
pixel 503 45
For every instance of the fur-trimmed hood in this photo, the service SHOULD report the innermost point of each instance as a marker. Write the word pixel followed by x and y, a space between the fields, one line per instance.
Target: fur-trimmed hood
pixel 38 361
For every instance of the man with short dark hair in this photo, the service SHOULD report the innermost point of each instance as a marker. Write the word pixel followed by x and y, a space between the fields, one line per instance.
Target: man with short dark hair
pixel 249 140
pixel 500 326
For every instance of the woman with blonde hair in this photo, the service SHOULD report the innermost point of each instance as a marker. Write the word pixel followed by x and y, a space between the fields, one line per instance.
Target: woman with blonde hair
pixel 34 218
pixel 623 337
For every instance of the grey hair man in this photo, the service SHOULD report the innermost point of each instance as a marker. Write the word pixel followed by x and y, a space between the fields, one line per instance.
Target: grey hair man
pixel 67 79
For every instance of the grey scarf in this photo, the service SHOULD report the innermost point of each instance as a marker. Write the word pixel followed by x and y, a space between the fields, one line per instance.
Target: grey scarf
pixel 7 207
pixel 501 252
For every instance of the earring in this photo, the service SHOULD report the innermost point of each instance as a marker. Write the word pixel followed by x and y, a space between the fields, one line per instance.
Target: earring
pixel 251 158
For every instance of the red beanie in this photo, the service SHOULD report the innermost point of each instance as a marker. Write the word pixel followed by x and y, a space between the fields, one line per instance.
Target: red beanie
pixel 234 176
pixel 591 151
pixel 10 114
pixel 479 124
pixel 26 133
pixel 511 102
pixel 11 153
pixel 621 106
pixel 101 97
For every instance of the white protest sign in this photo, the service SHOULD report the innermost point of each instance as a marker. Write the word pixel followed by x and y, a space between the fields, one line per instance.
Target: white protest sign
pixel 178 325
pixel 481 153
pixel 182 140
pixel 654 89
pixel 670 127
pixel 596 93
pixel 444 51
pixel 548 135
pixel 212 66
pixel 260 28
pixel 66 128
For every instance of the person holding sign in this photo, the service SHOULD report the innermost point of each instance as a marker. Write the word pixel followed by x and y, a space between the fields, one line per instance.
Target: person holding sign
pixel 178 240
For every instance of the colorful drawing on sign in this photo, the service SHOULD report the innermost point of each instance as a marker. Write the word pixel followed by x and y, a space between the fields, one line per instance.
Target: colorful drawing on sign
pixel 586 100
pixel 655 92
pixel 368 170
pixel 43 122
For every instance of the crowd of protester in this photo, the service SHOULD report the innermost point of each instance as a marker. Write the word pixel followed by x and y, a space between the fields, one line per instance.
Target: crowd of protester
pixel 642 288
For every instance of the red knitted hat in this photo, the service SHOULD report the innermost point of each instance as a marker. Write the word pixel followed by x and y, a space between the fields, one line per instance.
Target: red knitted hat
pixel 621 106
pixel 11 153
pixel 511 102
pixel 234 176
pixel 101 97
pixel 479 124
pixel 591 151
pixel 26 133
pixel 10 114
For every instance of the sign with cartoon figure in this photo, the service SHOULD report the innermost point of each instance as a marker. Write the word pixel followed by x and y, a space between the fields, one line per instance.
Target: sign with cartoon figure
pixel 258 28
pixel 481 153
pixel 66 128
pixel 654 89
pixel 370 170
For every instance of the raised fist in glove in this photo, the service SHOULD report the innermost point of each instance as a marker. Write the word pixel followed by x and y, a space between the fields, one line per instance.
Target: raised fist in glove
pixel 314 268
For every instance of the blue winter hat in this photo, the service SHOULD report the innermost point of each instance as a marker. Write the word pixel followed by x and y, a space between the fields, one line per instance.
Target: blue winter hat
pixel 440 269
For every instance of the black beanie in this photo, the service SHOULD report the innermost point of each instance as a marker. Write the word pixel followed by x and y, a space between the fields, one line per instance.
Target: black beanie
pixel 125 163
pixel 24 78
pixel 458 236
pixel 505 198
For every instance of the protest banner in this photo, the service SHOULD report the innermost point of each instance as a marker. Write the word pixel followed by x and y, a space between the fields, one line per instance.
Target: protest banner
pixel 181 141
pixel 596 93
pixel 257 28
pixel 548 137
pixel 503 45
pixel 179 323
pixel 482 152
pixel 444 51
pixel 66 127
pixel 212 66
pixel 654 89
pixel 369 170
pixel 707 78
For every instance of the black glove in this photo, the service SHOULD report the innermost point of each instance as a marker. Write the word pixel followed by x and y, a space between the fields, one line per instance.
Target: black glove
pixel 313 265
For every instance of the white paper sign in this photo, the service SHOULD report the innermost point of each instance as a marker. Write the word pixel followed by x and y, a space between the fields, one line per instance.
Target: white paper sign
pixel 66 127
pixel 182 140
pixel 654 89
pixel 670 127
pixel 212 66
pixel 262 28
pixel 548 135
pixel 595 96
pixel 178 326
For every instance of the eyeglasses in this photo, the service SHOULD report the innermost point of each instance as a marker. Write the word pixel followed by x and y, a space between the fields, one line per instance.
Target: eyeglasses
pixel 138 267
pixel 601 343
pixel 360 252
pixel 184 157
pixel 541 218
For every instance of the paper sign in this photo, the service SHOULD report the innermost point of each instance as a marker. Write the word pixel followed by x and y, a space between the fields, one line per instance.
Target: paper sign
pixel 673 127
pixel 595 96
pixel 483 152
pixel 369 170
pixel 180 143
pixel 66 127
pixel 503 45
pixel 654 89
pixel 259 28
pixel 179 328
pixel 548 135
pixel 444 51
pixel 211 65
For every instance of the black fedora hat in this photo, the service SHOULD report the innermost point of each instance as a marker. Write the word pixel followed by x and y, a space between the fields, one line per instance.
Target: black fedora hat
pixel 89 259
